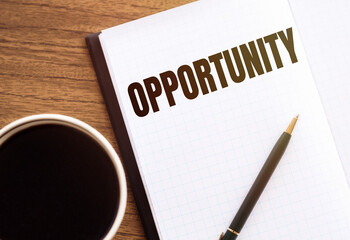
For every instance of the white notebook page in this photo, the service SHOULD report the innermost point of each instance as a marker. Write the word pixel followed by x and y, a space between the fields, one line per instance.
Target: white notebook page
pixel 324 27
pixel 199 158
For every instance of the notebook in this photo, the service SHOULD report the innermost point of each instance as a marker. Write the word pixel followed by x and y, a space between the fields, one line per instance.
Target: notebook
pixel 197 97
pixel 325 35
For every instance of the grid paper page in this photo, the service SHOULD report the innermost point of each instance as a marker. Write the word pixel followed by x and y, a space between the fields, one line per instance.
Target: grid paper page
pixel 199 158
pixel 325 32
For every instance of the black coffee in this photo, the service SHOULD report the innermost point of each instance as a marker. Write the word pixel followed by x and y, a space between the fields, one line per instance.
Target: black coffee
pixel 55 183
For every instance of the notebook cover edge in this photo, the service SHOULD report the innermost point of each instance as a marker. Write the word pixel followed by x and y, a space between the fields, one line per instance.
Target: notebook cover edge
pixel 121 134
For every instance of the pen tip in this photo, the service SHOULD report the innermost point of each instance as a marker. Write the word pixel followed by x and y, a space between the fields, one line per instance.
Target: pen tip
pixel 292 124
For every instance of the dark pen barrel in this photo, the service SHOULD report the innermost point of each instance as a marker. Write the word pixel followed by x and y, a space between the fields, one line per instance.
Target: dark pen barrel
pixel 258 187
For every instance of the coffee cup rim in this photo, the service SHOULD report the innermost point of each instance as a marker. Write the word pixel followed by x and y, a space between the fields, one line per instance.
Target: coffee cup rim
pixel 40 119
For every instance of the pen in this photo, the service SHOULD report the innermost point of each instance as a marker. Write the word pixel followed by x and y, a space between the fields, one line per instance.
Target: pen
pixel 259 184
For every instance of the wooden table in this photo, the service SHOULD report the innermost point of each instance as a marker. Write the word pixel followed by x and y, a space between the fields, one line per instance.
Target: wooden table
pixel 45 66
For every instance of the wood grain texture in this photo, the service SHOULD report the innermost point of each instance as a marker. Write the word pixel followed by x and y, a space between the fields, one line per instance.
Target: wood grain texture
pixel 45 66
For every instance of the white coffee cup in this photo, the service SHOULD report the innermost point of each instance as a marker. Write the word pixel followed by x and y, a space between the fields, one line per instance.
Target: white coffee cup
pixel 41 119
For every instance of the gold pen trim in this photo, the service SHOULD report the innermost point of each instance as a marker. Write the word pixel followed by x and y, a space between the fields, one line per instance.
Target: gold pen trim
pixel 292 125
pixel 233 231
